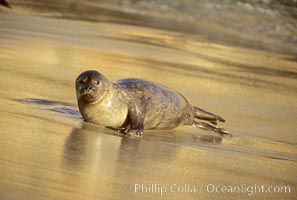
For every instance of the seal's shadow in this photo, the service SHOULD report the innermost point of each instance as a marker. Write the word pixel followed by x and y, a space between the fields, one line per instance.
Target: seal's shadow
pixel 61 108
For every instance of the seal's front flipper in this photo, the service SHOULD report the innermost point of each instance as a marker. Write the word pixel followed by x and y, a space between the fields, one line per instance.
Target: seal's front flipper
pixel 210 127
pixel 204 115
pixel 137 132
pixel 135 119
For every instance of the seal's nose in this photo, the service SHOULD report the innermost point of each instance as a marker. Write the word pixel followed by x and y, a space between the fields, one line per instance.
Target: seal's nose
pixel 89 88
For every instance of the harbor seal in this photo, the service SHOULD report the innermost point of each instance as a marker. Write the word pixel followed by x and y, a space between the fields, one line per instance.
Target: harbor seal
pixel 132 105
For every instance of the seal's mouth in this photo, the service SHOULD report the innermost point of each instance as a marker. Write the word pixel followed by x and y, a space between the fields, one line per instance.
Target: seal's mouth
pixel 87 96
pixel 90 96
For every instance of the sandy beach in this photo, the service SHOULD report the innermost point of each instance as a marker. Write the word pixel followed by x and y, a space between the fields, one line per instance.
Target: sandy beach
pixel 48 152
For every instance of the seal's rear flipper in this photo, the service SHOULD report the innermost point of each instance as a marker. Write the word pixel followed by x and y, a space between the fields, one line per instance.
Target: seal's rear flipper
pixel 204 115
pixel 210 127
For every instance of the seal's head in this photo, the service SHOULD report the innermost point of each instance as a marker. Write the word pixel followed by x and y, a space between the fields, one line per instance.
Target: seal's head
pixel 90 86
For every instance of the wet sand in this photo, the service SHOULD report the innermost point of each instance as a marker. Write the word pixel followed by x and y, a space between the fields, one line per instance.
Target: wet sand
pixel 48 152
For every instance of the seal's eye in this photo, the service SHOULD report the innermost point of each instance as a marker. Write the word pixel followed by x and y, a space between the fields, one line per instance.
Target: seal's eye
pixel 97 82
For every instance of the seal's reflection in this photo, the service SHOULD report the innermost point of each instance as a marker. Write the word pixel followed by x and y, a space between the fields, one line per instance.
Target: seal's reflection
pixel 91 144
pixel 209 139
pixel 75 149
pixel 87 145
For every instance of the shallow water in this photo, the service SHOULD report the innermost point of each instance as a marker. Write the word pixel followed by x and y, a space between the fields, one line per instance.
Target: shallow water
pixel 265 24
pixel 48 152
